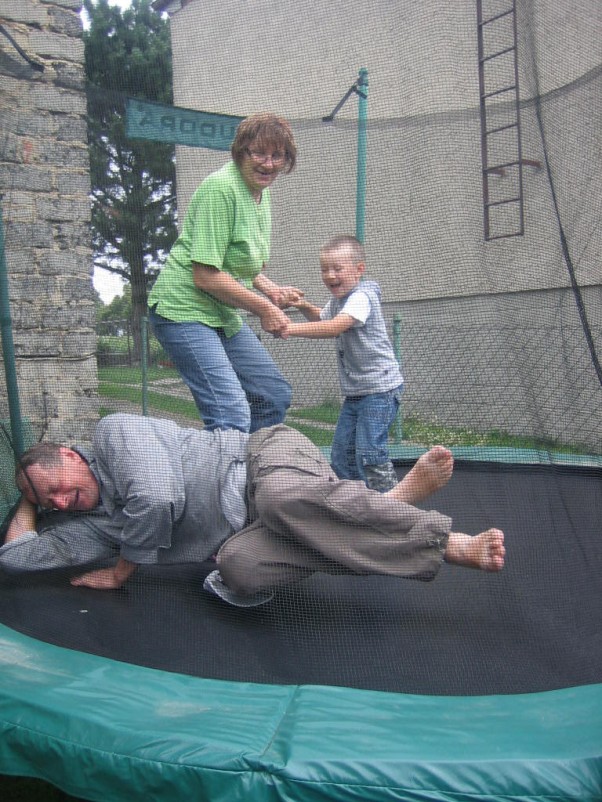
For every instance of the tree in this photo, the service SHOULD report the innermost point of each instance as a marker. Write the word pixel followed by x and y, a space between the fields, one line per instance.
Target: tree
pixel 119 309
pixel 128 54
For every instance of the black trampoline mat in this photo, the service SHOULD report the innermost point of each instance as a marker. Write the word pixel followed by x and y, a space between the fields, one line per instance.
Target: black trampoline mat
pixel 533 627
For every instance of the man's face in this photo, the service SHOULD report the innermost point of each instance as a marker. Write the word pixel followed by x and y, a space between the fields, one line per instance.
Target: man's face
pixel 71 486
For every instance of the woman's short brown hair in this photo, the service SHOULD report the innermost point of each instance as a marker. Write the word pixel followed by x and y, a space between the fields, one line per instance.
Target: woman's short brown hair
pixel 265 130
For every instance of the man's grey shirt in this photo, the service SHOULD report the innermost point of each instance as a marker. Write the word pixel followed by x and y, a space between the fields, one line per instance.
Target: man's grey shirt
pixel 168 495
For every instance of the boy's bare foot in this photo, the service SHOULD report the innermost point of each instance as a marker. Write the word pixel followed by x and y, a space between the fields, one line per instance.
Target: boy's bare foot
pixel 431 472
pixel 485 551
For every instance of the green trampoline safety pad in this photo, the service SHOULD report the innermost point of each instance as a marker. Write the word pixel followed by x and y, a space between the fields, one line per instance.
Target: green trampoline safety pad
pixel 109 730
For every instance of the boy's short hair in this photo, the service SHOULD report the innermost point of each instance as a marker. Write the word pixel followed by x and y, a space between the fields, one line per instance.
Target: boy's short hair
pixel 358 252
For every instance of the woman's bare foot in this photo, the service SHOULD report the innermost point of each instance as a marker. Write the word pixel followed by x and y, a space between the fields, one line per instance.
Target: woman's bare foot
pixel 485 551
pixel 431 472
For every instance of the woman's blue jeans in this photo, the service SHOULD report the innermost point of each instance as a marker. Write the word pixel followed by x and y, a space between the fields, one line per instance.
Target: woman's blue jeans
pixel 234 381
pixel 361 436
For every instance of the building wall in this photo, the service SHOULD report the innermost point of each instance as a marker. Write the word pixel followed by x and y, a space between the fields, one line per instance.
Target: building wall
pixel 514 338
pixel 298 58
pixel 45 184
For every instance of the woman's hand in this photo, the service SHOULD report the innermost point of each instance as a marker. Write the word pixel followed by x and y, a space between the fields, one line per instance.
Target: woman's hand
pixel 274 321
pixel 266 306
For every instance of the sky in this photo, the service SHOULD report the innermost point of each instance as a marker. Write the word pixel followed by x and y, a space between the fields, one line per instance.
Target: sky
pixel 106 284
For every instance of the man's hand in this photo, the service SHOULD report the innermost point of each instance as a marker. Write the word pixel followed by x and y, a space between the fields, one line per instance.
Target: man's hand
pixel 24 520
pixel 106 578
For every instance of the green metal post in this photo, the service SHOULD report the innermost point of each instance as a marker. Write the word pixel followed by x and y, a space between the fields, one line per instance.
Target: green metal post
pixel 398 423
pixel 362 143
pixel 8 353
pixel 144 356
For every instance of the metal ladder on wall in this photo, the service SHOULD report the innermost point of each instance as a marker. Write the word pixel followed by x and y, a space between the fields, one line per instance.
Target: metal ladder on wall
pixel 501 153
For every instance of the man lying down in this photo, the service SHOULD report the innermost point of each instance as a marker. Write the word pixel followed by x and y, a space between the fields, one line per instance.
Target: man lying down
pixel 267 505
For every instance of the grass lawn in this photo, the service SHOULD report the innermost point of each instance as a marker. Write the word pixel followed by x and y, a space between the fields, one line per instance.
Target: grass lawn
pixel 125 384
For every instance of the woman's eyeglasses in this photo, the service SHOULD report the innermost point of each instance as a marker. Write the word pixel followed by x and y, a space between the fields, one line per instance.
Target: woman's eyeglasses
pixel 277 158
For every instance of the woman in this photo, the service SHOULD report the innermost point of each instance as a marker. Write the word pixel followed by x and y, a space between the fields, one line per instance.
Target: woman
pixel 213 269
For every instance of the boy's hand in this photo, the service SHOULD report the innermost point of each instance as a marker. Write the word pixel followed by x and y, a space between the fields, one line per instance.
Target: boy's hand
pixel 287 296
pixel 308 310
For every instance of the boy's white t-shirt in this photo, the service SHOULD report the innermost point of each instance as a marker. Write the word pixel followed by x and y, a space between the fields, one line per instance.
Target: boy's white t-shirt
pixel 357 306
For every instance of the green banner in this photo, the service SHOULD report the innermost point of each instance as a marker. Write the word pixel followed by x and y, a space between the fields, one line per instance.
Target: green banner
pixel 198 129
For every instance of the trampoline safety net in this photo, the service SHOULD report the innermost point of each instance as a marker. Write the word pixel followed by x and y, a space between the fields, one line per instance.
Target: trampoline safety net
pixel 461 145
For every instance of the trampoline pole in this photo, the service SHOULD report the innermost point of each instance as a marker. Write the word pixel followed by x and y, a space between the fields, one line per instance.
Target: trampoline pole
pixel 362 142
pixel 8 353
pixel 360 87
pixel 398 423
pixel 144 342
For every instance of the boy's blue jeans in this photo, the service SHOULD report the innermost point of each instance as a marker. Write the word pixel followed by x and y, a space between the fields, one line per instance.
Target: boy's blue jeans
pixel 234 381
pixel 359 449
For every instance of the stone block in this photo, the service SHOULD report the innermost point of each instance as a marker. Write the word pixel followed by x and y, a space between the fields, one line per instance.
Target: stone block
pixel 69 76
pixel 80 344
pixel 57 263
pixel 63 210
pixel 65 22
pixel 70 183
pixel 62 154
pixel 34 126
pixel 50 98
pixel 25 11
pixel 21 207
pixel 11 148
pixel 56 45
pixel 75 5
pixel 69 235
pixel 27 177
pixel 38 234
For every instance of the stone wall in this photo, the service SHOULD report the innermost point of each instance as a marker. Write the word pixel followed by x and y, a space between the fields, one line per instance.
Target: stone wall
pixel 45 185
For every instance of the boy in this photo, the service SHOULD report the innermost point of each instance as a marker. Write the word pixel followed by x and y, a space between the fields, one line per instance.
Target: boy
pixel 370 379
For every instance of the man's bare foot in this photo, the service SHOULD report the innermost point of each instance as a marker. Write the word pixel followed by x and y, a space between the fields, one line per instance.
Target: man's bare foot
pixel 431 472
pixel 485 551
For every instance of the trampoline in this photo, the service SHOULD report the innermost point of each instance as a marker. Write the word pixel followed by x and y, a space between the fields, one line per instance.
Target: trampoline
pixel 474 686
pixel 483 212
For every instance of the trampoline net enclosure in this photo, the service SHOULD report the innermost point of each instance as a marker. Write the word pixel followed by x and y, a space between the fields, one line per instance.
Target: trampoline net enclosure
pixel 499 341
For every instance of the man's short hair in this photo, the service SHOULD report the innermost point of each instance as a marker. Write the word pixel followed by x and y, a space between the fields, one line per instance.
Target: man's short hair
pixel 46 454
